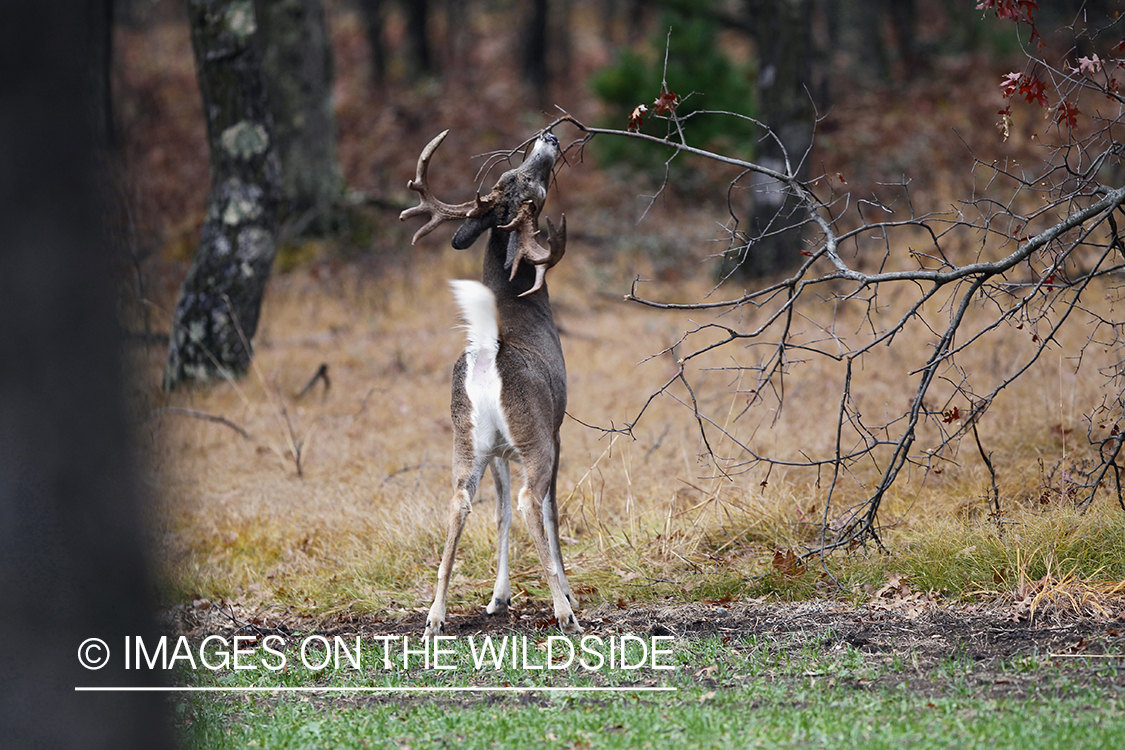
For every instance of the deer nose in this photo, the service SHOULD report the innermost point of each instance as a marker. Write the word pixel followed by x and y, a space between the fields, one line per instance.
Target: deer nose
pixel 550 138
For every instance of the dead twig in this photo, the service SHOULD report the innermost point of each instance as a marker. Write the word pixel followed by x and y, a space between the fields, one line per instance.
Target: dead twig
pixel 321 374
pixel 157 413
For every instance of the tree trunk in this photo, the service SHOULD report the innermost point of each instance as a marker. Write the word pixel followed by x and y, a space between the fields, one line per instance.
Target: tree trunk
pixel 372 11
pixel 783 34
pixel 419 61
pixel 217 314
pixel 609 23
pixel 533 52
pixel 458 36
pixel 297 66
pixel 99 30
pixel 904 18
pixel 72 561
pixel 860 38
pixel 563 42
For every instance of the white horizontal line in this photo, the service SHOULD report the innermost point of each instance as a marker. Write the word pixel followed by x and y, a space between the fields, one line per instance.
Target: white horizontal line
pixel 466 689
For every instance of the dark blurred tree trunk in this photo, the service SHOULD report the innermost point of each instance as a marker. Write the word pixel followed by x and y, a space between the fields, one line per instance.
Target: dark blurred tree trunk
pixel 1065 24
pixel 419 61
pixel 99 27
pixel 534 49
pixel 297 66
pixel 962 27
pixel 563 41
pixel 373 24
pixel 217 314
pixel 635 20
pixel 783 35
pixel 904 15
pixel 72 561
pixel 609 10
pixel 457 34
pixel 855 32
pixel 858 32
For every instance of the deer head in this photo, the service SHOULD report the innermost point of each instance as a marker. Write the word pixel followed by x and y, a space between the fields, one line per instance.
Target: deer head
pixel 512 206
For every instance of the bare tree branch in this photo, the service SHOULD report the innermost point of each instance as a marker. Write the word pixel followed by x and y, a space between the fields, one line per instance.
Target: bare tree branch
pixel 1026 251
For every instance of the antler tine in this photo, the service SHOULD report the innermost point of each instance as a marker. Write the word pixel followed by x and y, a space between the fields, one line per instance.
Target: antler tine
pixel 438 211
pixel 528 249
pixel 556 241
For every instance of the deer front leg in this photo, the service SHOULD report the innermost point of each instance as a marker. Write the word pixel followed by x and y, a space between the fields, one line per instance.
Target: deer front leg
pixel 460 506
pixel 532 499
pixel 502 591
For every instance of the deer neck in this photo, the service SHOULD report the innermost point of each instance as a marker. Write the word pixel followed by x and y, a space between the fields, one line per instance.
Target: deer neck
pixel 520 317
pixel 497 272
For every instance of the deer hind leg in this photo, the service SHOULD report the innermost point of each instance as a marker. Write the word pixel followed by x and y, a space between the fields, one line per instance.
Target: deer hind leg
pixel 551 526
pixel 467 473
pixel 534 499
pixel 502 591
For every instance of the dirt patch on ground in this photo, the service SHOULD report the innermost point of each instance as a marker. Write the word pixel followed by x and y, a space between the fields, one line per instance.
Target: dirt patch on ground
pixel 923 647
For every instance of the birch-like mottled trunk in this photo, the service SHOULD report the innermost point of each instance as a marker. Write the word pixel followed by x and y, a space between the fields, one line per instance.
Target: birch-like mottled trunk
pixel 298 71
pixel 217 313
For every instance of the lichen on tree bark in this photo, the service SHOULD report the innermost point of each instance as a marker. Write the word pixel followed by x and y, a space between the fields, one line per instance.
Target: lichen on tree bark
pixel 217 314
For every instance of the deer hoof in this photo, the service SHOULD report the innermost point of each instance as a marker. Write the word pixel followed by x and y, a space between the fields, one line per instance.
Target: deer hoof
pixel 569 624
pixel 498 606
pixel 434 627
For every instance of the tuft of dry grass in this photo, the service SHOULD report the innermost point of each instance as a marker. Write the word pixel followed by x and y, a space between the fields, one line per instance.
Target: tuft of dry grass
pixel 1034 559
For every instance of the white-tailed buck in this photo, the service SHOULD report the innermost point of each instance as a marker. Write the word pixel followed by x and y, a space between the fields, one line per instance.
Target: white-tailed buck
pixel 509 386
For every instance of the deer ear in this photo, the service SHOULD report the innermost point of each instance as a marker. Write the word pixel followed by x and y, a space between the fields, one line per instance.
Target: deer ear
pixel 468 232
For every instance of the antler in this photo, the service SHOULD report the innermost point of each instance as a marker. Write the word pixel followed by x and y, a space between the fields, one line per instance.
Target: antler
pixel 530 250
pixel 439 212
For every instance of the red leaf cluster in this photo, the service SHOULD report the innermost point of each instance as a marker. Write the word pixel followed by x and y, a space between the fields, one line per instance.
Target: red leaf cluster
pixel 637 117
pixel 667 102
pixel 1033 90
pixel 1018 11
pixel 1067 114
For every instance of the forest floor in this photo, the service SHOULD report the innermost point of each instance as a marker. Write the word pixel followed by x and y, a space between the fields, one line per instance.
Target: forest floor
pixel 911 645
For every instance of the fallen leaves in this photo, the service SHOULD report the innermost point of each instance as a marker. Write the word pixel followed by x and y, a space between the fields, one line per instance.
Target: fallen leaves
pixel 788 564
pixel 897 596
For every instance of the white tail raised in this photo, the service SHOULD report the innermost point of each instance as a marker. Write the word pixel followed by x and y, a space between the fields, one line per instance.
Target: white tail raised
pixel 478 310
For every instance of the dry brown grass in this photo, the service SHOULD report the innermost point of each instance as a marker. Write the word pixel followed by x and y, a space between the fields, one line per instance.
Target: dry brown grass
pixel 361 529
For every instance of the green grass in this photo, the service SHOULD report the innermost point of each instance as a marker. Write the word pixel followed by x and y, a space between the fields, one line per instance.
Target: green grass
pixel 729 693
pixel 734 719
